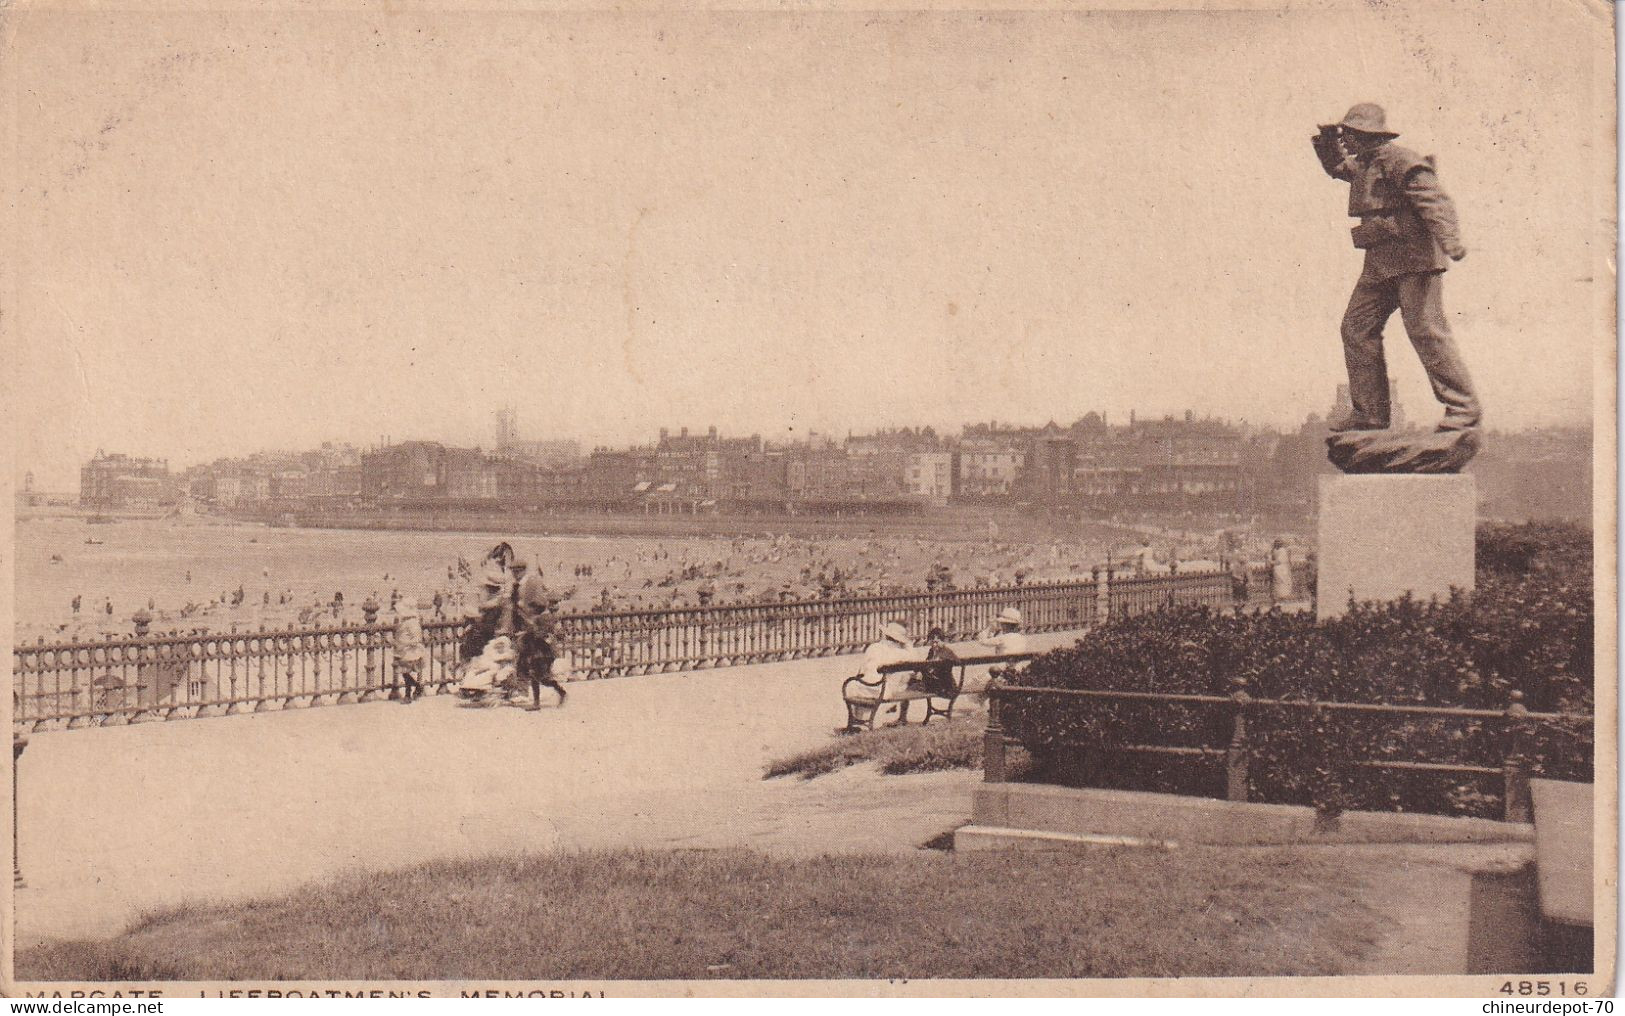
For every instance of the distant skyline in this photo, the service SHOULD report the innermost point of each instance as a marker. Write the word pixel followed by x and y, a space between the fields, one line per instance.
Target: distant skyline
pixel 488 442
pixel 651 438
pixel 234 236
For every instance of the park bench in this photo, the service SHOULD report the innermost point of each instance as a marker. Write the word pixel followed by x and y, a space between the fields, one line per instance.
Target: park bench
pixel 936 682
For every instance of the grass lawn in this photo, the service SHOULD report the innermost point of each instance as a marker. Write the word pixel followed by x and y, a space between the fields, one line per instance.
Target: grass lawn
pixel 633 914
pixel 917 748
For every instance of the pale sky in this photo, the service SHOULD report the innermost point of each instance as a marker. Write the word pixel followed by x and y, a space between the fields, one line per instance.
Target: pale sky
pixel 242 231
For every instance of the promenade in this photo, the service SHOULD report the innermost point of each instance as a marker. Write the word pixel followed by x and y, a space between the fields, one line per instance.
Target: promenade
pixel 116 820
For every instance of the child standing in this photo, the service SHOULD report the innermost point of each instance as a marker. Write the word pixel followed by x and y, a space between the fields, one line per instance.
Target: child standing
pixel 411 655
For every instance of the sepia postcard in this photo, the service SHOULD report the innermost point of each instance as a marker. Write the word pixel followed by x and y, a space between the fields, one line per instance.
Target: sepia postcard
pixel 557 500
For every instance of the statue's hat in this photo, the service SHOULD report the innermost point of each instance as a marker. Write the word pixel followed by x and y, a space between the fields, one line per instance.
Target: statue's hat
pixel 1367 118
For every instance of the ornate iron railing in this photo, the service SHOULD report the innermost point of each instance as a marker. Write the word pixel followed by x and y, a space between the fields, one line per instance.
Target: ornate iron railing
pixel 156 676
pixel 164 677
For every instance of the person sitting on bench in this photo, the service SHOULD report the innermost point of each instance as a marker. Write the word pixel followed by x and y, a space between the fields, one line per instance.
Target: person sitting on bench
pixel 938 681
pixel 895 646
pixel 1006 639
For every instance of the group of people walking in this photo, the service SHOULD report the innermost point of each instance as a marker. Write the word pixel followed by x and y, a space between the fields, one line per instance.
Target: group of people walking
pixel 508 644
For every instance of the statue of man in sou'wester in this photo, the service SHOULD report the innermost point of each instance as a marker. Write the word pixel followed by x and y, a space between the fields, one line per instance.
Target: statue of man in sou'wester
pixel 1409 233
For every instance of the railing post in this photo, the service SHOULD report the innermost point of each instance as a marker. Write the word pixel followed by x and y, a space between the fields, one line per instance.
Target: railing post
pixel 146 690
pixel 369 616
pixel 1515 790
pixel 993 761
pixel 1236 757
pixel 1103 594
pixel 19 741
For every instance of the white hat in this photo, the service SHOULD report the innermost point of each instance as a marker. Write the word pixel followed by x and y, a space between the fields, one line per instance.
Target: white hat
pixel 1009 615
pixel 896 632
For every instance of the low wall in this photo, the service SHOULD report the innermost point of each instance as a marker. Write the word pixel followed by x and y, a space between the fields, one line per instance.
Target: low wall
pixel 1036 816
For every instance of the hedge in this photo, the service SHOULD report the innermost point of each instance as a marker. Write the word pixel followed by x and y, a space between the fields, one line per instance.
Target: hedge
pixel 1528 627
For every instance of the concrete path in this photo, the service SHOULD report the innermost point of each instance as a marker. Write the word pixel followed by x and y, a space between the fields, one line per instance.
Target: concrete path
pixel 118 820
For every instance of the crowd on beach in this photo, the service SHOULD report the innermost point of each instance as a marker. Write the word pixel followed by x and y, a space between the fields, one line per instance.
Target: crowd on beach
pixel 652 574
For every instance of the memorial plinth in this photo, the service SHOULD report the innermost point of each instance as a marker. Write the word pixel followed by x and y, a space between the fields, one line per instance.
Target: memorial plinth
pixel 1384 535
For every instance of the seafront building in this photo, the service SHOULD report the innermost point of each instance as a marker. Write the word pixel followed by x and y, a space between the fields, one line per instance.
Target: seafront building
pixel 123 482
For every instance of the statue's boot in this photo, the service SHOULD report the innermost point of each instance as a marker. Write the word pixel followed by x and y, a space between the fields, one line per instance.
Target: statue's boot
pixel 1456 421
pixel 1354 422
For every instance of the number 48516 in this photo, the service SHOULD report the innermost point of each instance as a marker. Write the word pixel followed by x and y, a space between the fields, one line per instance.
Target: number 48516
pixel 1560 988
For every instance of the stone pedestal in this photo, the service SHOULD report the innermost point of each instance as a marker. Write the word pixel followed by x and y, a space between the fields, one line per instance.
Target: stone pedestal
pixel 1383 535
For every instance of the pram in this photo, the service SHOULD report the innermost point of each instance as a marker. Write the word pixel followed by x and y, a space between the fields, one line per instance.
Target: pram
pixel 492 673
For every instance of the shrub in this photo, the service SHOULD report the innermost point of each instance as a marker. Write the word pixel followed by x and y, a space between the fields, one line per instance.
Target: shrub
pixel 1504 549
pixel 1528 628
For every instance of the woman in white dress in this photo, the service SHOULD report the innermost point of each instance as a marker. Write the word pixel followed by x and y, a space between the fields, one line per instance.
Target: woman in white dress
pixel 1280 572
